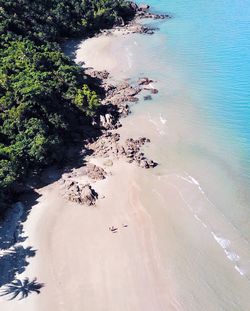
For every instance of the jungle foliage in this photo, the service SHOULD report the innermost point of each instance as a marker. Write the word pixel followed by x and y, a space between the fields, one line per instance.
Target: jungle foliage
pixel 44 96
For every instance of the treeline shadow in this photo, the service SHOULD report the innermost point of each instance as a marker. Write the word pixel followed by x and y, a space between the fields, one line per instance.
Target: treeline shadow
pixel 14 256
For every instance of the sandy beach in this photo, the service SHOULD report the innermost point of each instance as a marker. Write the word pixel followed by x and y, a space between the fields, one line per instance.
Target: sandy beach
pixel 83 264
pixel 86 266
pixel 173 248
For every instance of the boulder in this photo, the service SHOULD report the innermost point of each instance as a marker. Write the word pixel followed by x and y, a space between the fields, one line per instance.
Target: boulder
pixel 133 6
pixel 107 121
pixel 102 75
pixel 148 97
pixel 144 81
pixel 154 91
pixel 124 110
pixel 94 172
pixel 82 194
pixel 119 21
pixel 143 7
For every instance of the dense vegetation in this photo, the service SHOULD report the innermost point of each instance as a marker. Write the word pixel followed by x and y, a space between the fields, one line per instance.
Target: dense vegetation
pixel 44 96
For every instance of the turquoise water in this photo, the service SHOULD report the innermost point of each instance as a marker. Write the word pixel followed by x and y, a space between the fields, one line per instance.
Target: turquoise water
pixel 199 125
pixel 209 43
pixel 201 60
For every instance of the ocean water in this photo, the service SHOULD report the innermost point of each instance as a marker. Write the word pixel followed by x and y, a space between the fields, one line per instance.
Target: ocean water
pixel 199 125
pixel 201 137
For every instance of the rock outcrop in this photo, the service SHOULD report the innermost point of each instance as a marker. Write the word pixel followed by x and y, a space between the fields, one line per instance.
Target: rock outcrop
pixel 79 193
pixel 144 81
pixel 143 7
pixel 109 146
pixel 95 172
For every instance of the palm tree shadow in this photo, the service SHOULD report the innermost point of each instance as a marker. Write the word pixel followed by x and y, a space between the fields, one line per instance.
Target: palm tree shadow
pixel 21 289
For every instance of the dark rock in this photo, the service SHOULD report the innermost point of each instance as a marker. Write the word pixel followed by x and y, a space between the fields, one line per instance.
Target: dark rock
pixel 108 121
pixel 94 172
pixel 102 75
pixel 148 97
pixel 143 7
pixel 154 91
pixel 133 6
pixel 119 21
pixel 144 81
pixel 82 194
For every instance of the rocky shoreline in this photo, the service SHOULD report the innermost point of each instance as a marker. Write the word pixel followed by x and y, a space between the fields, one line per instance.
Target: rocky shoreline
pixel 108 145
pixel 114 106
pixel 134 25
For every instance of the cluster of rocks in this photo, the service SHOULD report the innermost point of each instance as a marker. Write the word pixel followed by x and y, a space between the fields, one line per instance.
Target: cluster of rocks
pixel 94 172
pixel 141 12
pixel 101 75
pixel 134 154
pixel 80 193
pixel 115 103
pixel 144 81
pixel 114 106
pixel 134 27
pixel 90 170
pixel 123 92
pixel 109 145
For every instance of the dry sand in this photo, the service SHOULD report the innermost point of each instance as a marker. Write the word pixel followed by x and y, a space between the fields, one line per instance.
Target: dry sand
pixel 83 264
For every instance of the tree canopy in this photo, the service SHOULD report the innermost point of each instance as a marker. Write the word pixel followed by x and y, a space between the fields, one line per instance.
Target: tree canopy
pixel 43 94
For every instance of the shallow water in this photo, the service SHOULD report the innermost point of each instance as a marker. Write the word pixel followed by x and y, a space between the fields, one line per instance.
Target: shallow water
pixel 199 125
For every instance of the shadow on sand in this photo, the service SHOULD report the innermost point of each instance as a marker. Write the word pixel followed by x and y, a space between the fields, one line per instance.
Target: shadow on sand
pixel 14 255
pixel 21 289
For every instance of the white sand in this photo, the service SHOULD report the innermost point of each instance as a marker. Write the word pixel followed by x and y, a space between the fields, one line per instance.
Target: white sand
pixel 83 264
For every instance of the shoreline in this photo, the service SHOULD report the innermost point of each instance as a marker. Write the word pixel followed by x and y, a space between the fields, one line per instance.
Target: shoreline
pixel 46 215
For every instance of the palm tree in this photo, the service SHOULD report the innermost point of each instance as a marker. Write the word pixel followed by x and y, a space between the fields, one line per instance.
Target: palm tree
pixel 21 288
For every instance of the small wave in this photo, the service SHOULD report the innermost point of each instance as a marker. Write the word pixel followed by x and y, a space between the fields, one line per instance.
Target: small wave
pixel 195 182
pixel 184 178
pixel 224 243
pixel 231 255
pixel 198 219
pixel 238 269
pixel 163 121
pixel 157 126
